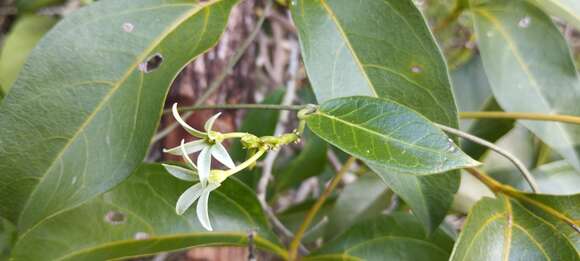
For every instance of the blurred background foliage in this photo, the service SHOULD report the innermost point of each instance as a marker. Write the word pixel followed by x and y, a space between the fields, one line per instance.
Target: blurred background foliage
pixel 261 75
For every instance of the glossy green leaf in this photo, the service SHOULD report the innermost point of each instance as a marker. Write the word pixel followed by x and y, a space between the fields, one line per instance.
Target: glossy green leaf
pixel 138 218
pixel 569 10
pixel 381 48
pixel 309 163
pixel 488 129
pixel 396 237
pixel 359 48
pixel 18 44
pixel 501 229
pixel 79 118
pixel 556 178
pixel 388 135
pixel 365 198
pixel 524 78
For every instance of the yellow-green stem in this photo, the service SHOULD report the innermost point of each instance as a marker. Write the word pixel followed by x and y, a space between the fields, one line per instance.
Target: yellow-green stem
pixel 246 163
pixel 233 135
pixel 520 116
pixel 509 191
pixel 293 249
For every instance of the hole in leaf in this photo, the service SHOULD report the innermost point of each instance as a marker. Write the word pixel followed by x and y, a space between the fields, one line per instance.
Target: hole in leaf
pixel 115 217
pixel 152 63
pixel 128 27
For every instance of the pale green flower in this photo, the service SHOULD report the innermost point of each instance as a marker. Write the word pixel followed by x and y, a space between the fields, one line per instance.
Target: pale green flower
pixel 199 190
pixel 208 145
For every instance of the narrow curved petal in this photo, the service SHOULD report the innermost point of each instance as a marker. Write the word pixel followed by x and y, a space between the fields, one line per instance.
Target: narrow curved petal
pixel 202 207
pixel 204 164
pixel 221 154
pixel 188 197
pixel 186 157
pixel 181 173
pixel 209 123
pixel 190 148
pixel 183 124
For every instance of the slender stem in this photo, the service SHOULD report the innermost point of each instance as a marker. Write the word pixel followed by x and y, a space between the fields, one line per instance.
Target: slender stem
pixel 234 135
pixel 525 172
pixel 246 163
pixel 240 106
pixel 520 116
pixel 293 251
pixel 222 76
pixel 497 187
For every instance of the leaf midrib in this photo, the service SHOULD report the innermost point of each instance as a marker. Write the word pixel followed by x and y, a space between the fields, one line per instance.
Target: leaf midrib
pixel 195 9
pixel 357 61
pixel 377 133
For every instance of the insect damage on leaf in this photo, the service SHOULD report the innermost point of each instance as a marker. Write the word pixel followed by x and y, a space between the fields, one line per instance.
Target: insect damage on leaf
pixel 152 62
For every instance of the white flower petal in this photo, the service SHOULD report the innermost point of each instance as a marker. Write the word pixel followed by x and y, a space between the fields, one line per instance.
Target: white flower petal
pixel 190 148
pixel 209 123
pixel 181 173
pixel 202 207
pixel 221 154
pixel 183 124
pixel 185 156
pixel 188 197
pixel 204 164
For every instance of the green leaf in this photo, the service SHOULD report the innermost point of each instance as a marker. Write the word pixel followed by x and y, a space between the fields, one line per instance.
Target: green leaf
pixel 430 197
pixel 501 229
pixel 569 10
pixel 381 48
pixel 396 237
pixel 80 117
pixel 524 79
pixel 562 211
pixel 23 37
pixel 138 218
pixel 556 178
pixel 488 129
pixel 470 85
pixel 357 48
pixel 33 5
pixel 388 135
pixel 309 163
pixel 365 198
